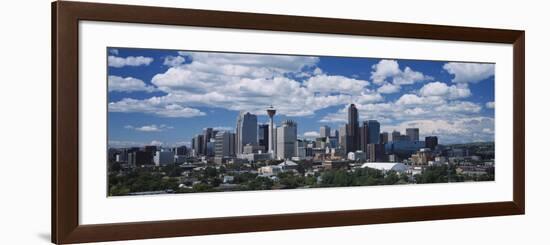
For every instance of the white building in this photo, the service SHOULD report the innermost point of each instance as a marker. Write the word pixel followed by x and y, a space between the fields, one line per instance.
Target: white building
pixel 163 158
pixel 288 165
pixel 387 166
pixel 270 170
pixel 357 156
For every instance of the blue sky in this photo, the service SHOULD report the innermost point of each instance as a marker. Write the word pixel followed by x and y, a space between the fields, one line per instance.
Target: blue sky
pixel 168 96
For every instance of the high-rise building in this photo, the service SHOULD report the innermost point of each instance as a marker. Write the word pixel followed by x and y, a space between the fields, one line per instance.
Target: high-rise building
pixel 343 139
pixel 335 133
pixel 224 144
pixel 192 152
pixel 271 139
pixel 138 158
pixel 286 139
pixel 180 151
pixel 374 132
pixel 324 131
pixel 238 150
pixel 198 144
pixel 332 142
pixel 413 134
pixel 364 136
pixel 207 134
pixel 370 134
pixel 321 142
pixel 302 149
pixel 384 138
pixel 376 153
pixel 397 136
pixel 353 129
pixel 247 130
pixel 263 136
pixel 431 142
pixel 150 152
pixel 164 158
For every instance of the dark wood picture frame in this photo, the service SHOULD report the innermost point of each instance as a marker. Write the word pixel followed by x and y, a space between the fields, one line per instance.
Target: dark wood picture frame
pixel 65 143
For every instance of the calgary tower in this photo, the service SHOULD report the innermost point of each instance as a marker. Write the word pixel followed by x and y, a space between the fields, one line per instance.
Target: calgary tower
pixel 271 112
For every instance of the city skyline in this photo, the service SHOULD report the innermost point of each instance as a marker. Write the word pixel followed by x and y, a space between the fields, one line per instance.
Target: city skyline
pixel 166 97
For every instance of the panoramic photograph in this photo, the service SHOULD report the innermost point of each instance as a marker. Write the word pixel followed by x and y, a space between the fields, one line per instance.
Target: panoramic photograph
pixel 183 121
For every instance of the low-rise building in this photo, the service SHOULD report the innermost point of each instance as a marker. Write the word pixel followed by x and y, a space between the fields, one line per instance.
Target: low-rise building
pixel 357 156
pixel 270 170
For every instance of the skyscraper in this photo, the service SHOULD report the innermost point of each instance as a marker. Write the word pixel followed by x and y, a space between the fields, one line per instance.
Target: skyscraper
pixel 271 139
pixel 198 144
pixel 263 136
pixel 207 134
pixel 287 135
pixel 247 130
pixel 224 144
pixel 353 129
pixel 413 134
pixel 343 138
pixel 324 131
pixel 374 131
pixel 375 153
pixel 238 150
pixel 370 134
pixel 364 137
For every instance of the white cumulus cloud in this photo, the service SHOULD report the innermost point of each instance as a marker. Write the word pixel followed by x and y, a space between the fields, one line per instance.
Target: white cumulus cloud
pixel 154 106
pixel 149 128
pixel 443 90
pixel 248 82
pixel 388 71
pixel 174 60
pixel 469 72
pixel 127 84
pixel 389 88
pixel 312 134
pixel 118 62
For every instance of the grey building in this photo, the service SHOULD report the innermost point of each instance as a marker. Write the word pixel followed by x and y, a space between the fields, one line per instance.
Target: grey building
pixel 343 138
pixel 164 158
pixel 224 144
pixel 413 134
pixel 286 139
pixel 397 136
